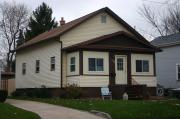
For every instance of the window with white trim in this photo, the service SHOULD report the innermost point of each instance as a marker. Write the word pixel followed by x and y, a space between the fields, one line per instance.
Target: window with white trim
pixel 72 64
pixel 23 68
pixel 96 64
pixel 178 72
pixel 37 66
pixel 142 66
pixel 53 63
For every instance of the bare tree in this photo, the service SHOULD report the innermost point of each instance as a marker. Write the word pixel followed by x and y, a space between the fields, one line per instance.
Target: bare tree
pixel 172 20
pixel 13 18
pixel 151 18
pixel 164 21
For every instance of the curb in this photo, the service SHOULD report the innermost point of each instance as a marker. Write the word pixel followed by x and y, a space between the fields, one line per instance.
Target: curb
pixel 101 114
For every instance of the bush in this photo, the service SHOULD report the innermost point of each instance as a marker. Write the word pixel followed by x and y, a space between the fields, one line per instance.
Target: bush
pixel 72 92
pixel 3 95
pixel 42 92
pixel 18 93
pixel 176 94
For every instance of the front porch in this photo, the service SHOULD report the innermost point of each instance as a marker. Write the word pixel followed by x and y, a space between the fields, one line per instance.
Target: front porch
pixel 133 91
pixel 119 61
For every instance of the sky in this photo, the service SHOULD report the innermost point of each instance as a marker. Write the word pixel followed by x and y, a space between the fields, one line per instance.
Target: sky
pixel 128 10
pixel 72 9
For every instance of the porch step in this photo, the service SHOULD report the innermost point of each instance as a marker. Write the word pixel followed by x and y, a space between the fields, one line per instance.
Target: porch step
pixel 135 92
pixel 133 95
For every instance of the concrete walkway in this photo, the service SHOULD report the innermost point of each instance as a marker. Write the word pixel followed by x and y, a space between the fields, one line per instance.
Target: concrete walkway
pixel 48 111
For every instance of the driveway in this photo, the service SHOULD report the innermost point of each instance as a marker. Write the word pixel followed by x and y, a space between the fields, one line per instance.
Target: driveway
pixel 48 111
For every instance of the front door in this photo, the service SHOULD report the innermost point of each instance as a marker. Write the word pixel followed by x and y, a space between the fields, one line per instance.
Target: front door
pixel 121 69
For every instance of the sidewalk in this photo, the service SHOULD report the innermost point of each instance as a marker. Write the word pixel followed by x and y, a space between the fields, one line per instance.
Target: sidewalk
pixel 48 111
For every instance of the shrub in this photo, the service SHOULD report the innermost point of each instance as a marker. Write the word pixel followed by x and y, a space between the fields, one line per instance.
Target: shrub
pixel 3 95
pixel 42 92
pixel 18 93
pixel 72 91
pixel 176 94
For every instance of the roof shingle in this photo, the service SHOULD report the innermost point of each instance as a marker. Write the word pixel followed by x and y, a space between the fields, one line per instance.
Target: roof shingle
pixel 166 40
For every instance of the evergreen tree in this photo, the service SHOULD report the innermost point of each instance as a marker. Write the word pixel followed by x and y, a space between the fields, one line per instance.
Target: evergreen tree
pixel 40 21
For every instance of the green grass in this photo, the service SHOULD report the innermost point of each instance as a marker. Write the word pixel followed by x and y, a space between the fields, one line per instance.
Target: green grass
pixel 10 112
pixel 120 109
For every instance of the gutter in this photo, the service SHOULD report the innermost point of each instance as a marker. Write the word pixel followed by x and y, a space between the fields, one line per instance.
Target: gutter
pixel 168 44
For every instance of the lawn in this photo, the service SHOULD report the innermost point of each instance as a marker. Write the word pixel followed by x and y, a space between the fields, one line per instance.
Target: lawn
pixel 10 112
pixel 120 109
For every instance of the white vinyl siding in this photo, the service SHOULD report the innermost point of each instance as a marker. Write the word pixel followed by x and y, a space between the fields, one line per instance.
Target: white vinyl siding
pixel 89 81
pixel 92 28
pixel 150 81
pixel 43 52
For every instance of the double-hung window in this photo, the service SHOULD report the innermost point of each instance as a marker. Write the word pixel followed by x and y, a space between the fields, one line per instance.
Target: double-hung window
pixel 72 64
pixel 103 18
pixel 53 61
pixel 23 68
pixel 96 64
pixel 142 66
pixel 178 72
pixel 37 66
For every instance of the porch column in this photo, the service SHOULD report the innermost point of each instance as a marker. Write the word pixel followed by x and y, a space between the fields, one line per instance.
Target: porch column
pixel 81 62
pixel 129 78
pixel 111 69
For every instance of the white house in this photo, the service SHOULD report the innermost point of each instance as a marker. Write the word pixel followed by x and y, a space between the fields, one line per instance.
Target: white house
pixel 96 50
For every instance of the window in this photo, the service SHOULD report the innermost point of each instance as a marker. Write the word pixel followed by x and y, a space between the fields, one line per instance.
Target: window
pixel 52 63
pixel 142 66
pixel 96 64
pixel 178 72
pixel 72 64
pixel 23 68
pixel 119 64
pixel 37 66
pixel 103 18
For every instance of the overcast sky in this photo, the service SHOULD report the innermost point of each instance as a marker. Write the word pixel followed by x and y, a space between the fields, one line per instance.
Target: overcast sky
pixel 71 9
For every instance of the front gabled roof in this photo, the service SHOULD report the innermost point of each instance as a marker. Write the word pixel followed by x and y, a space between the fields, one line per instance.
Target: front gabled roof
pixel 56 32
pixel 93 43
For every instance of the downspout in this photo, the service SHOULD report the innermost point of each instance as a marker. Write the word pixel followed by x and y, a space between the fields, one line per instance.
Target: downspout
pixel 61 61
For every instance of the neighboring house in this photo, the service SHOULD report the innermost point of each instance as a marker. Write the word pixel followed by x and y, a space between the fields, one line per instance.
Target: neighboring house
pixel 96 50
pixel 168 61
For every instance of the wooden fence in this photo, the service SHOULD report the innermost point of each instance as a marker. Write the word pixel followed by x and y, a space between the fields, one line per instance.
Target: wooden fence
pixel 8 85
